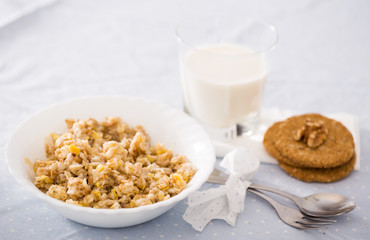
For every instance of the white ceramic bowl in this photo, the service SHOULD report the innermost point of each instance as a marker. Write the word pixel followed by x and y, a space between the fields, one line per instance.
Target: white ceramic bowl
pixel 163 124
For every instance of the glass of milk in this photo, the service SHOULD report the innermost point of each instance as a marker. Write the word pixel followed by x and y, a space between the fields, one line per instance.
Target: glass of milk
pixel 224 64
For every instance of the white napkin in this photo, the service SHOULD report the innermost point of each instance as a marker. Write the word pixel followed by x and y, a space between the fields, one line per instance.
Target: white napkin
pixel 12 10
pixel 270 116
pixel 226 201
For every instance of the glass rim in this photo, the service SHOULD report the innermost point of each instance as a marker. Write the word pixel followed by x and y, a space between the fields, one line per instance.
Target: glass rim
pixel 270 47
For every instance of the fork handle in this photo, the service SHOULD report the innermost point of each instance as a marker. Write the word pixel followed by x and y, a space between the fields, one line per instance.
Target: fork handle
pixel 270 200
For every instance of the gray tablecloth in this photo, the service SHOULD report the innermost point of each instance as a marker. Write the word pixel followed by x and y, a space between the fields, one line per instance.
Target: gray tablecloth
pixel 77 48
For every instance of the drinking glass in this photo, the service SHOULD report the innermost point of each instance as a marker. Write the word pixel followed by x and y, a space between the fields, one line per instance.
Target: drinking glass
pixel 224 64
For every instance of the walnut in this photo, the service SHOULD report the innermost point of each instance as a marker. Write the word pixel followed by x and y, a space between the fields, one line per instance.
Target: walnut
pixel 312 133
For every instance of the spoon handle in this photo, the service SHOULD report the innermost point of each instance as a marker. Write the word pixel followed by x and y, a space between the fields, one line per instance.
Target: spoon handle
pixel 220 177
pixel 276 191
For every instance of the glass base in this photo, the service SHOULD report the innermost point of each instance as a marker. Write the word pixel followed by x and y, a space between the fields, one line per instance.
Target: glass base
pixel 243 129
pixel 247 128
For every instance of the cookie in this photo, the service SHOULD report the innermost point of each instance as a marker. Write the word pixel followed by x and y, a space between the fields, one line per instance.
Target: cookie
pixel 335 150
pixel 324 175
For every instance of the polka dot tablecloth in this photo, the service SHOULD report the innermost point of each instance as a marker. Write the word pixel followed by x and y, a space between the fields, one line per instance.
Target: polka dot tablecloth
pixel 75 48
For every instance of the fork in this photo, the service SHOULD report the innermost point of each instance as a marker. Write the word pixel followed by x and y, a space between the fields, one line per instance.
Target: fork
pixel 293 216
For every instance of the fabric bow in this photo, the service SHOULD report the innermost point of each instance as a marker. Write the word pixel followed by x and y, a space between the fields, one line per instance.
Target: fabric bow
pixel 226 201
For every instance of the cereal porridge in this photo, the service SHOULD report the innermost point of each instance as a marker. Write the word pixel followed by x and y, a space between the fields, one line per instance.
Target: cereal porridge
pixel 109 164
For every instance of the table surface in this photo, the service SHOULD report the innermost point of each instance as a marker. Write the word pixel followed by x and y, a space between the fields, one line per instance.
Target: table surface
pixel 82 48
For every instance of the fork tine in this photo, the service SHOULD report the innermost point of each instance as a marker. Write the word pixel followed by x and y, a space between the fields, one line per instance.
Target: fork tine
pixel 319 219
pixel 304 226
pixel 306 221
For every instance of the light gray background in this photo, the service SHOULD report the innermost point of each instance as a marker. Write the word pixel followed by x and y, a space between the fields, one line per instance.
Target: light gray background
pixel 80 48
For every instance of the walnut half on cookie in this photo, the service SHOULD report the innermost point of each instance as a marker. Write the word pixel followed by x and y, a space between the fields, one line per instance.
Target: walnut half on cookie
pixel 313 133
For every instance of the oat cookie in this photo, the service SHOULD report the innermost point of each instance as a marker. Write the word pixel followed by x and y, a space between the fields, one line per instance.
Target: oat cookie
pixel 324 175
pixel 335 146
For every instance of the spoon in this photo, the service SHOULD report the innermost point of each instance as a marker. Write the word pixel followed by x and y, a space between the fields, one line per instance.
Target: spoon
pixel 319 204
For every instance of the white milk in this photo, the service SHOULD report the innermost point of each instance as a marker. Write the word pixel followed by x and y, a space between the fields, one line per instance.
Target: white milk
pixel 223 84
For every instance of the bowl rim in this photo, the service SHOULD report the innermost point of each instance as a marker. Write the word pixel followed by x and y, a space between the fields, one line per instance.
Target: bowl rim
pixel 58 203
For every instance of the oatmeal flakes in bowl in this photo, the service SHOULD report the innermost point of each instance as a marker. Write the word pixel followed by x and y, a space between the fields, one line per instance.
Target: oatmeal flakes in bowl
pixel 110 171
pixel 109 164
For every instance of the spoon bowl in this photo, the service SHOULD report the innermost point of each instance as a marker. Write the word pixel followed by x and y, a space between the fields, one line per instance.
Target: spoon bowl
pixel 330 204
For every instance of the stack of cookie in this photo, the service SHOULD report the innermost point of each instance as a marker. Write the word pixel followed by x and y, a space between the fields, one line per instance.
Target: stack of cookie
pixel 312 148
